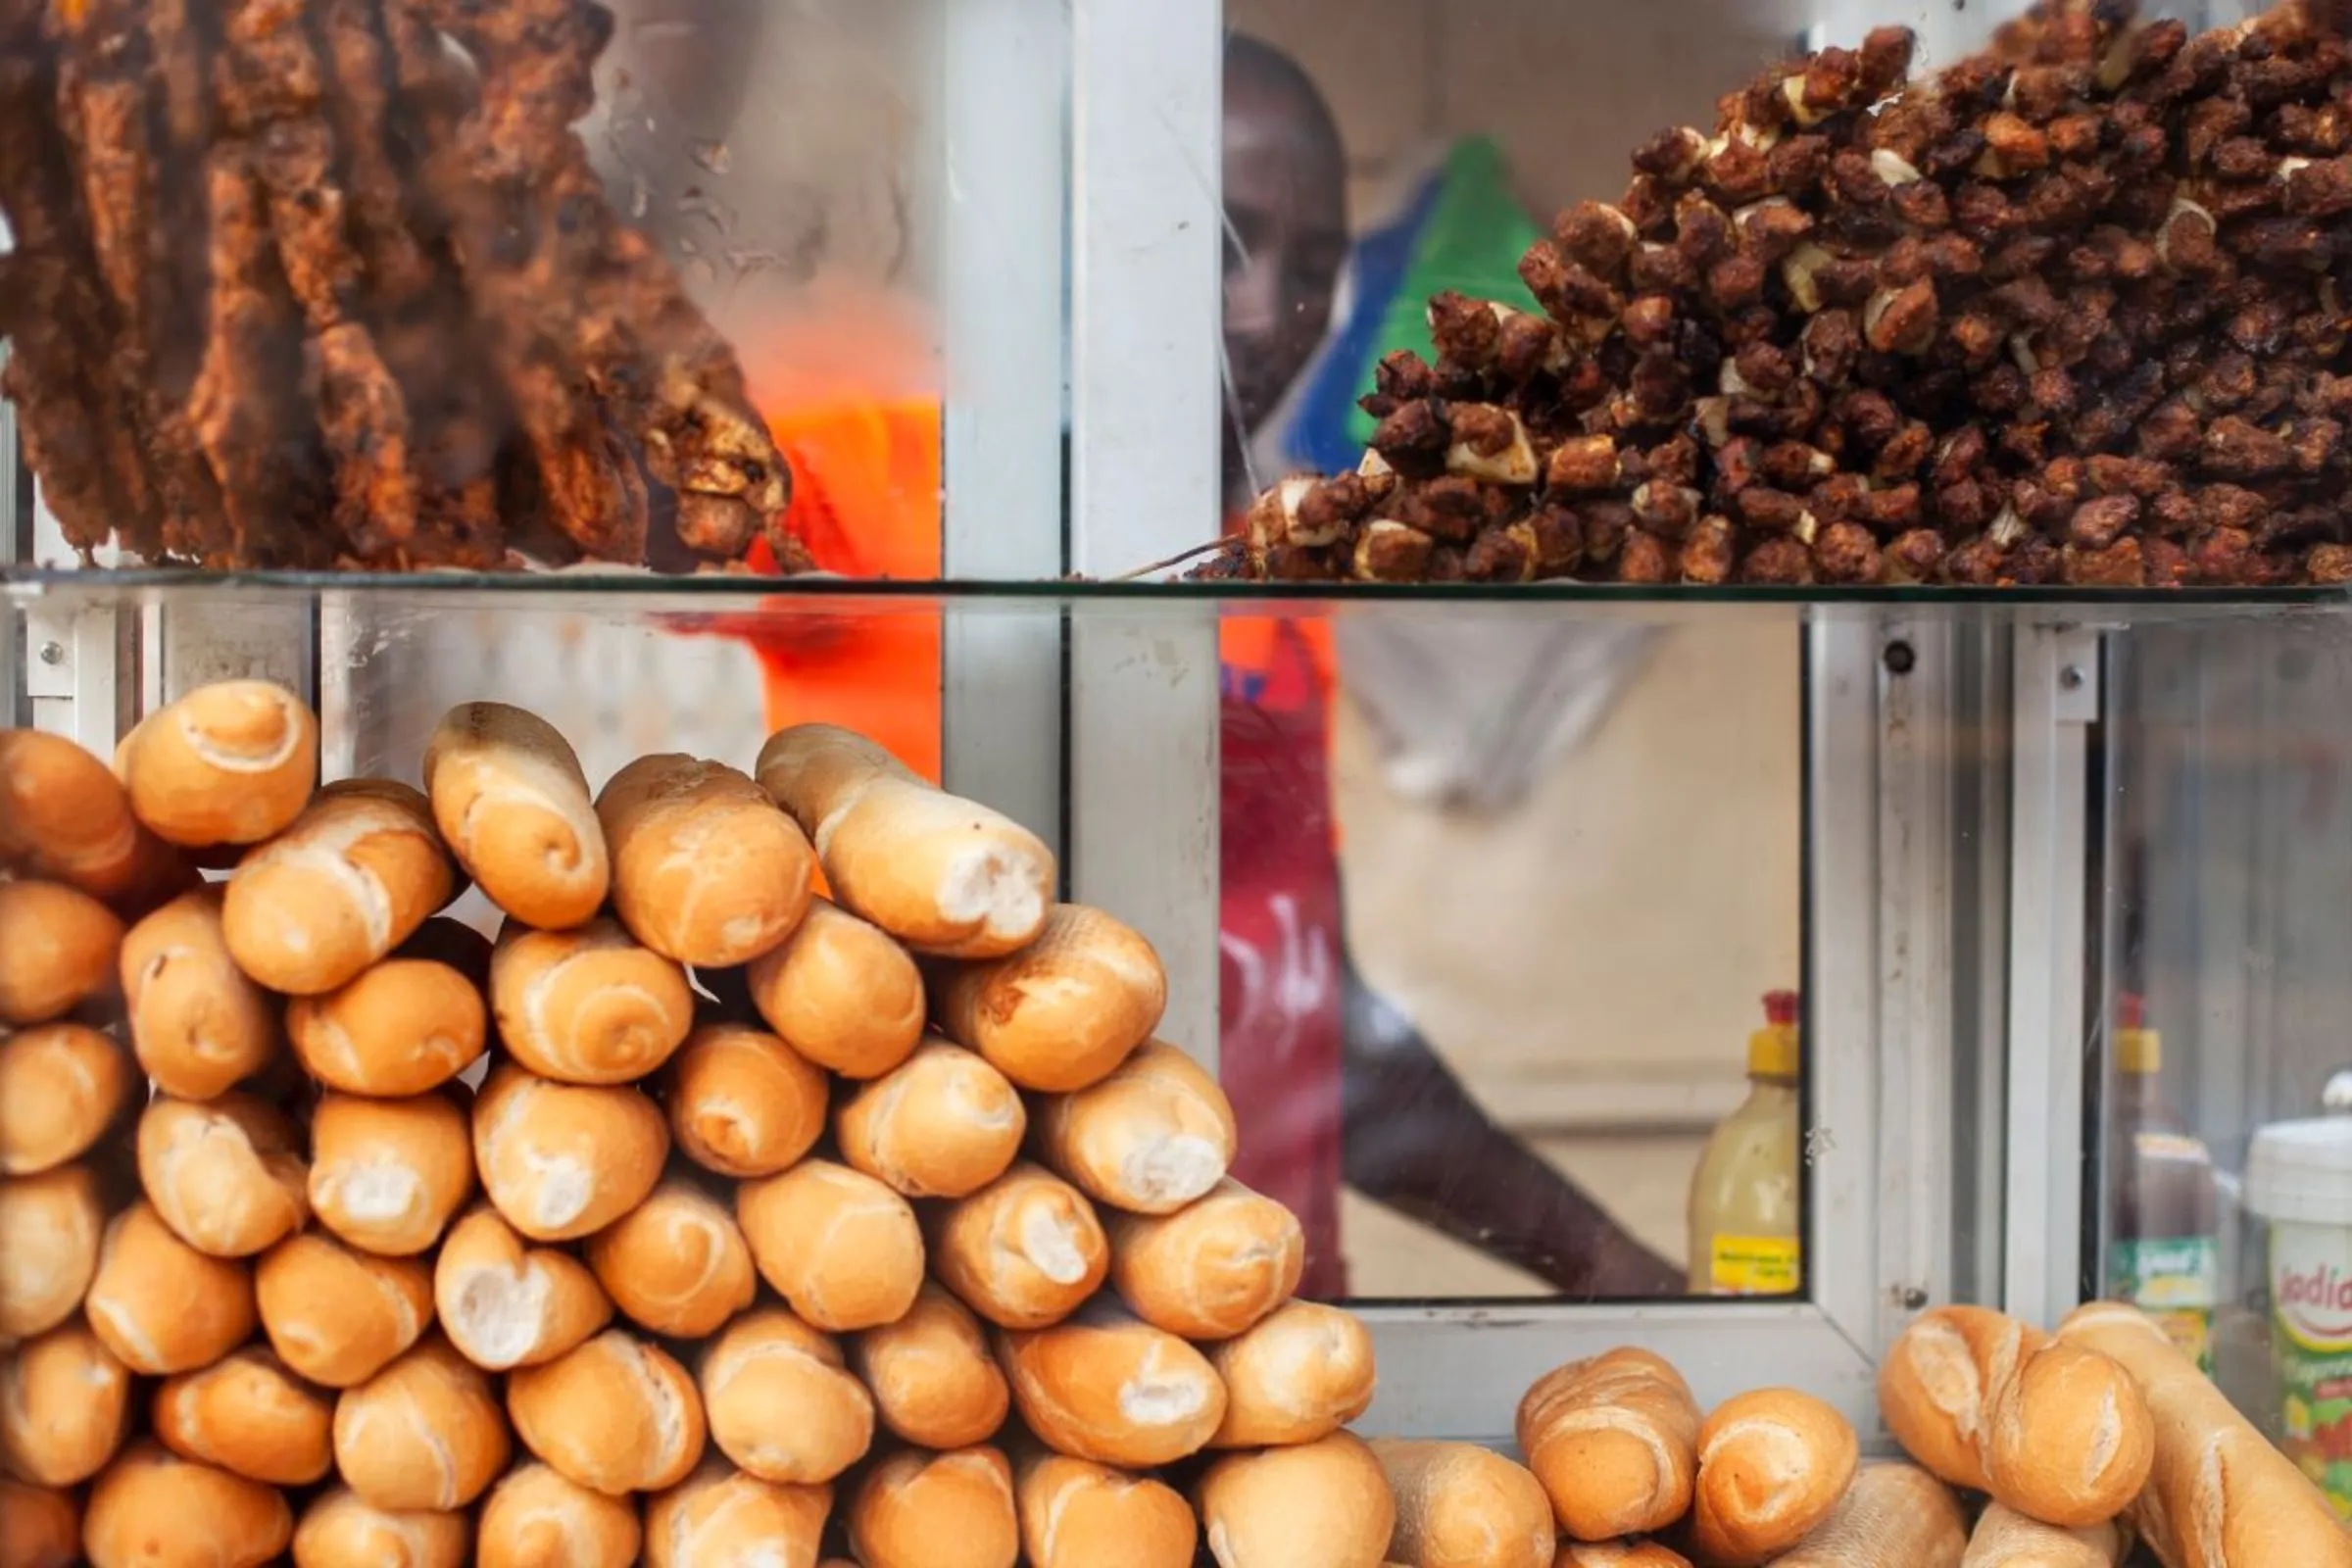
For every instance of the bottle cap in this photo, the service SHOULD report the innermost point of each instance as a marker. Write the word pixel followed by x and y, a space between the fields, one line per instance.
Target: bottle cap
pixel 2138 1049
pixel 1772 1051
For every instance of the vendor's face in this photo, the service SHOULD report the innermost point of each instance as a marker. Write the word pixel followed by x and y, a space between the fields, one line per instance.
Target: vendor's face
pixel 1286 208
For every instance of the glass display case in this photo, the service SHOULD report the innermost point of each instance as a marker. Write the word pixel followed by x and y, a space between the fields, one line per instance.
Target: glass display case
pixel 1734 971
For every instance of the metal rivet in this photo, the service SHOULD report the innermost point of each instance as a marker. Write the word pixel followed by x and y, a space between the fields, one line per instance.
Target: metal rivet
pixel 2070 677
pixel 1901 658
pixel 1914 1298
pixel 53 652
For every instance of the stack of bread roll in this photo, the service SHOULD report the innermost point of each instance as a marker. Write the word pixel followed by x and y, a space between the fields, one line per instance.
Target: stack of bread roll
pixel 792 1180
pixel 2025 1451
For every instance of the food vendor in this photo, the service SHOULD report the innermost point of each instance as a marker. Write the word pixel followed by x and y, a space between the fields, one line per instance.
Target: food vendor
pixel 1332 1083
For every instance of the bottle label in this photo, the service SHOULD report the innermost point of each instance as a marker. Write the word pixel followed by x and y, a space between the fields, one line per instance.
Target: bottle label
pixel 1756 1265
pixel 2310 1309
pixel 2177 1281
pixel 2175 1147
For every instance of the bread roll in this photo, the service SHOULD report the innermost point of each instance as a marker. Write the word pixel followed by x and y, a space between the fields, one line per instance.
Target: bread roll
pixel 64 817
pixel 1893 1516
pixel 780 1403
pixel 504 1303
pixel 1077 1515
pixel 917 1509
pixel 58 949
pixel 565 1160
pixel 934 1382
pixel 64 1403
pixel 616 1415
pixel 942 1124
pixel 838 1245
pixel 387 1174
pixel 1151 1138
pixel 160 1306
pixel 49 1235
pixel 231 762
pixel 1618 1554
pixel 152 1510
pixel 588 1006
pixel 1323 1504
pixel 1459 1506
pixel 2219 1495
pixel 1615 1442
pixel 227 1174
pixel 1023 1252
pixel 742 1102
pixel 405 1026
pixel 424 1432
pixel 943 875
pixel 1301 1373
pixel 841 991
pixel 1063 1012
pixel 2056 1431
pixel 249 1415
pixel 342 1530
pixel 1212 1270
pixel 61 1087
pixel 38 1528
pixel 1108 1388
pixel 2006 1539
pixel 336 1316
pixel 535 1518
pixel 197 1024
pixel 705 870
pixel 1772 1465
pixel 513 805
pixel 676 1264
pixel 719 1516
pixel 352 879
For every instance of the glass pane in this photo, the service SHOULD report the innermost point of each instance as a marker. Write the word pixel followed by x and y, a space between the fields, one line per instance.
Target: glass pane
pixel 2225 931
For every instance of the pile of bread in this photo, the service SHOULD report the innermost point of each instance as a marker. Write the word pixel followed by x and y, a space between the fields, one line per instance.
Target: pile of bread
pixel 2078 1445
pixel 700 1220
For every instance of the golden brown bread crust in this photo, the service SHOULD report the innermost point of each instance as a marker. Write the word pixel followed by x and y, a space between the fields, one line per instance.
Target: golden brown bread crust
pixel 1109 1388
pixel 1300 1373
pixel 513 805
pixel 230 762
pixel 1149 1138
pixel 338 1315
pixel 1893 1514
pixel 535 1518
pixel 59 947
pixel 1064 1010
pixel 742 1102
pixel 251 1416
pixel 161 1306
pixel 2055 1431
pixel 65 817
pixel 1023 1252
pixel 425 1433
pixel 617 1414
pixel 1458 1504
pixel 405 1026
pixel 342 1530
pixel 845 1250
pixel 946 876
pixel 1075 1515
pixel 2219 1495
pixel 351 880
pixel 841 991
pixel 781 1403
pixel 1326 1502
pixel 1211 1269
pixel 149 1498
pixel 718 1515
pixel 706 869
pixel 933 1380
pixel 917 1509
pixel 197 1023
pixel 1773 1464
pixel 504 1303
pixel 39 1526
pixel 61 1087
pixel 65 1405
pixel 1615 1442
pixel 941 1124
pixel 2006 1539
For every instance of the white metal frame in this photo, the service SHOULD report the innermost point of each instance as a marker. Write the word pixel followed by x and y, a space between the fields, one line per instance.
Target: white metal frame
pixel 2055 686
pixel 1145 322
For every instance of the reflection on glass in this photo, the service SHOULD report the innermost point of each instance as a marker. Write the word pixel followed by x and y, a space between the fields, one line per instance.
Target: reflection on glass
pixel 2226 752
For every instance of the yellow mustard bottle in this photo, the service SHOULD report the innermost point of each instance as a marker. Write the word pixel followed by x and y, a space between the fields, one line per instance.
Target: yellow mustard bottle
pixel 1747 1220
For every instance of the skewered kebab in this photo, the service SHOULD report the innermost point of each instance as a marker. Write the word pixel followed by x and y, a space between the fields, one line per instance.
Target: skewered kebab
pixel 296 283
pixel 2067 311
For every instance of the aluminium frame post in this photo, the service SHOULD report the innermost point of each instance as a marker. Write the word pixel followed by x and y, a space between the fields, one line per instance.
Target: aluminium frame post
pixel 1002 177
pixel 1146 85
pixel 2055 701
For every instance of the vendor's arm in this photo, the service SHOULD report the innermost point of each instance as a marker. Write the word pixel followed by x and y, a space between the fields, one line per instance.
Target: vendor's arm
pixel 1418 1143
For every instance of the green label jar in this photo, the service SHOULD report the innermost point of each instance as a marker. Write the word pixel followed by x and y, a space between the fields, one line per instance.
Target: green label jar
pixel 2299 1181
